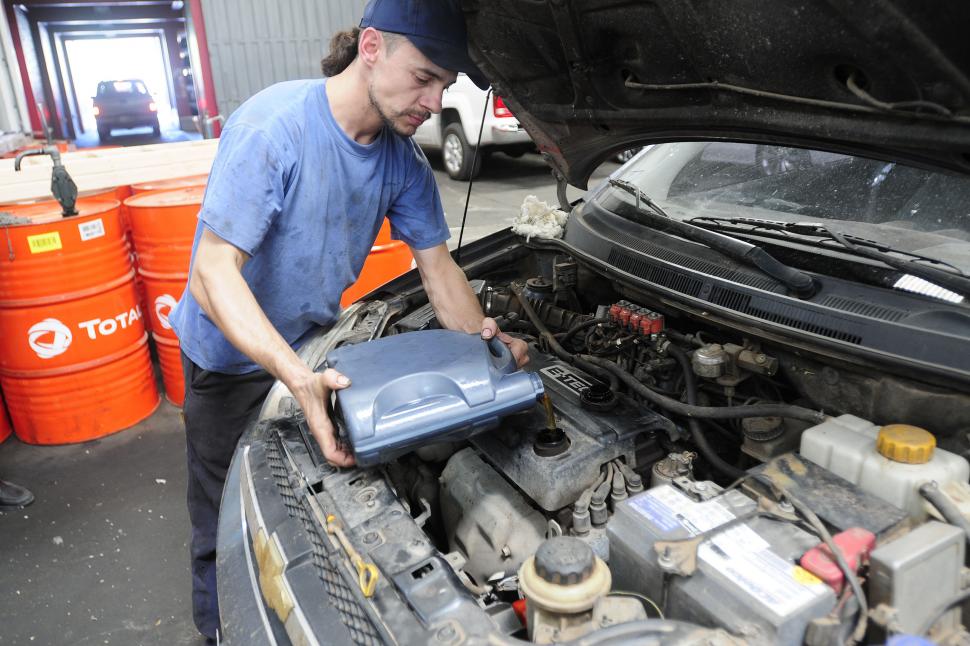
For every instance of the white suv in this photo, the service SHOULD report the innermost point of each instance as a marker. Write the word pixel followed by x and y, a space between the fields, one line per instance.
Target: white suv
pixel 455 130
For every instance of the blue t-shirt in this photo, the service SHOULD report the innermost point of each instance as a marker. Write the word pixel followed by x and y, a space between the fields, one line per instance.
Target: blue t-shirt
pixel 293 191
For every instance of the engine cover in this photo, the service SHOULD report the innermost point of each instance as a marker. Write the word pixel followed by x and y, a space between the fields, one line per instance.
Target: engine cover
pixel 595 438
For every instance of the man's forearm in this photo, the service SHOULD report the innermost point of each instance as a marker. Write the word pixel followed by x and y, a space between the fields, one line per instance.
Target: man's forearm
pixel 453 300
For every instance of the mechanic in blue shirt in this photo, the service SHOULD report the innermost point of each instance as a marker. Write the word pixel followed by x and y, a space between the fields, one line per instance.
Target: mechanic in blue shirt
pixel 304 175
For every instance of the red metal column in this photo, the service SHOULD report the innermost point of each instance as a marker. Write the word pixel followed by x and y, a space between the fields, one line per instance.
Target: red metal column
pixel 35 122
pixel 198 22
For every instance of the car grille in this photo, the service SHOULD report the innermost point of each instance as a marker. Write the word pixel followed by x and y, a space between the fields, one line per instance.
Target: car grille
pixel 325 559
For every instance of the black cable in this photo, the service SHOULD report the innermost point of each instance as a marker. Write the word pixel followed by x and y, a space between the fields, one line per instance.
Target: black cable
pixel 696 433
pixel 949 511
pixel 941 610
pixel 579 327
pixel 860 629
pixel 471 177
pixel 874 105
pixel 557 349
pixel 895 105
pixel 787 411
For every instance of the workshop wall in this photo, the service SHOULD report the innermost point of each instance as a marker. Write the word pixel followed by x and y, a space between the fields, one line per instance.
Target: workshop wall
pixel 253 43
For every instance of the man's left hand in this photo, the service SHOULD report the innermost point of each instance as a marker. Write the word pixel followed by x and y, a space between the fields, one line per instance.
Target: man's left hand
pixel 518 347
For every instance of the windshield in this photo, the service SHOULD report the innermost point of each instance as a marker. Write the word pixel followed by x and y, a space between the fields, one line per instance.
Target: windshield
pixel 122 87
pixel 908 208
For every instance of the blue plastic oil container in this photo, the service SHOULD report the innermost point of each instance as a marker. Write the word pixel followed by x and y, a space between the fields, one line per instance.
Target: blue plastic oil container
pixel 412 389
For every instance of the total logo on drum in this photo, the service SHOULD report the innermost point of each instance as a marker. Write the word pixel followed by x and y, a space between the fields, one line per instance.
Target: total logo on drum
pixel 164 305
pixel 51 338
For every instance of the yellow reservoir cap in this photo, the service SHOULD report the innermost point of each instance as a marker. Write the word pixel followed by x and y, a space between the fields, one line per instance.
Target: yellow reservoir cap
pixel 905 443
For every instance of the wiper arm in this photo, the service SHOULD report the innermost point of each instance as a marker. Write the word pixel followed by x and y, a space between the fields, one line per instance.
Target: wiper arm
pixel 918 265
pixel 797 281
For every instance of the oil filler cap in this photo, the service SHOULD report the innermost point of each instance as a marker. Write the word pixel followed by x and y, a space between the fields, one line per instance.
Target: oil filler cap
pixel 564 560
pixel 905 443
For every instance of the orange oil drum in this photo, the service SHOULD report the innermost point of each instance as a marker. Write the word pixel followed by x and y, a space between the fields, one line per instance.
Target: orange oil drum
pixel 74 361
pixel 5 429
pixel 170 184
pixel 170 361
pixel 163 228
pixel 387 260
pixel 162 294
pixel 122 193
pixel 119 193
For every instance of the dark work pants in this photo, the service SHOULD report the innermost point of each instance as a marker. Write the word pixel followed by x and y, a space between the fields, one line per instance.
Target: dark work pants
pixel 218 408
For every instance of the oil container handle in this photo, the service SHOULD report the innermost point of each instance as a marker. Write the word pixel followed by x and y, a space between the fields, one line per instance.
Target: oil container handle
pixel 499 353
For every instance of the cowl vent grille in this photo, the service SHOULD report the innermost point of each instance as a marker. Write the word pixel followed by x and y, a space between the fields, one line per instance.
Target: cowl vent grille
pixel 782 314
pixel 862 309
pixel 655 273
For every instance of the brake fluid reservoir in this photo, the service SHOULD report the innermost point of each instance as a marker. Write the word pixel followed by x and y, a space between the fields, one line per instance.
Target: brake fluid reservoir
pixel 890 462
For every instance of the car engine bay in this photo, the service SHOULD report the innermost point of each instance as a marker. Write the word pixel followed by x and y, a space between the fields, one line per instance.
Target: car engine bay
pixel 673 471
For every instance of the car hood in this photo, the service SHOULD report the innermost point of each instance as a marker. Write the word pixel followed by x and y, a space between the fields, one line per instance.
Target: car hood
pixel 888 79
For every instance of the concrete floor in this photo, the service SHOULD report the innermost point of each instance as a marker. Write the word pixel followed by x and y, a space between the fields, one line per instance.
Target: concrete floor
pixel 101 557
pixel 135 137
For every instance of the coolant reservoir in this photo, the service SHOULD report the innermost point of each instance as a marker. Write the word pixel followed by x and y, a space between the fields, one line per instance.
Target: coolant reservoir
pixel 890 462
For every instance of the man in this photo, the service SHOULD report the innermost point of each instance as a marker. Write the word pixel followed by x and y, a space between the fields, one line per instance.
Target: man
pixel 304 175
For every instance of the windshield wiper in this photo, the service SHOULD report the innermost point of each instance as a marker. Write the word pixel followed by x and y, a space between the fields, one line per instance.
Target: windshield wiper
pixel 800 283
pixel 935 271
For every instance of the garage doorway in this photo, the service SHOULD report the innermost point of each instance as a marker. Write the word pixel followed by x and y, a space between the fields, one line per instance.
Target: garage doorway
pixel 65 48
pixel 92 60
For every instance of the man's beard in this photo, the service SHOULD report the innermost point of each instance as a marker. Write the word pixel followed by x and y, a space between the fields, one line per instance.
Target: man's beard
pixel 388 121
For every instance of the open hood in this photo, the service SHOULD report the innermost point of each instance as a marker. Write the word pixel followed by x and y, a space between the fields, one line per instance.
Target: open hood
pixel 888 79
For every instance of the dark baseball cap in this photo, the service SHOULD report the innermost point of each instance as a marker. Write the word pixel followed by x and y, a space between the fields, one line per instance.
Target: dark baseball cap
pixel 435 27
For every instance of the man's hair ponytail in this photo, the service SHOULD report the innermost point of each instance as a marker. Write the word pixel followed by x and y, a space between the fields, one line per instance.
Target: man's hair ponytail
pixel 343 51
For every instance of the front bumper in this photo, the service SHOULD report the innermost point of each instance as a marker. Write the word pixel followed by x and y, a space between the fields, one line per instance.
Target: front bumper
pixel 280 580
pixel 127 121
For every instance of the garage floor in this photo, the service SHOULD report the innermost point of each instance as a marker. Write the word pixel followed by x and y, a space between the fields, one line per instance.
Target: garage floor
pixel 101 557
pixel 135 137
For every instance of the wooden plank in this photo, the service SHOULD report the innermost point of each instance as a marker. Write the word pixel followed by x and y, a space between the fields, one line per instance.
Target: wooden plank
pixel 101 169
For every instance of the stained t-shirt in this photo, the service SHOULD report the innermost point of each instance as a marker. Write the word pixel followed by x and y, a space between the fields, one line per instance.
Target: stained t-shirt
pixel 289 188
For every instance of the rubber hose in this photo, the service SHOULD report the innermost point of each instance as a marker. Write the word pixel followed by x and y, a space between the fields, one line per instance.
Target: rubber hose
pixel 949 511
pixel 557 349
pixel 618 491
pixel 788 411
pixel 579 327
pixel 584 498
pixel 601 492
pixel 942 610
pixel 686 339
pixel 696 433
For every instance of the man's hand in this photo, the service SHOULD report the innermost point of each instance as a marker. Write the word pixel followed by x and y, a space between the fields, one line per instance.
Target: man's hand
pixel 518 347
pixel 313 393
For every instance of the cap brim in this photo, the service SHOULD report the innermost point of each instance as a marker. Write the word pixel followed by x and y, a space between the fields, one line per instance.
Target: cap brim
pixel 450 58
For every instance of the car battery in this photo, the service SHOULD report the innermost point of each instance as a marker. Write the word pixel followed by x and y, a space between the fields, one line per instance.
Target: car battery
pixel 746 580
pixel 412 389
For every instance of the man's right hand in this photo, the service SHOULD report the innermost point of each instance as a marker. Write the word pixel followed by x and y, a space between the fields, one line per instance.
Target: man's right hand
pixel 312 393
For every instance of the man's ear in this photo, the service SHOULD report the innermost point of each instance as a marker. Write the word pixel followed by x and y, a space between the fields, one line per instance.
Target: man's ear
pixel 369 45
